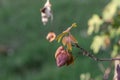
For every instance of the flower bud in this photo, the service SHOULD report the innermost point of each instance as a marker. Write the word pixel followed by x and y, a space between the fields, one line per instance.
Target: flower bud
pixel 63 57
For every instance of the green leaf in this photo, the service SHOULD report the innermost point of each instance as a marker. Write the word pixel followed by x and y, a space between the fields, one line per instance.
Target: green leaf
pixel 59 37
pixel 115 51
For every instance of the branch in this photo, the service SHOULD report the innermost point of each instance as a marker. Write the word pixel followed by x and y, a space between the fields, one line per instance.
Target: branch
pixel 86 53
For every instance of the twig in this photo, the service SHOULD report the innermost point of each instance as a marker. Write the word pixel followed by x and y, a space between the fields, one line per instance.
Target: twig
pixel 86 53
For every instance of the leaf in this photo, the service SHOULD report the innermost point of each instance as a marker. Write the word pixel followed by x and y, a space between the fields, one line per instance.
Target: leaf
pixel 94 24
pixel 64 41
pixel 58 38
pixel 97 43
pixel 115 51
pixel 51 36
pixel 69 46
pixel 74 25
pixel 110 10
pixel 73 39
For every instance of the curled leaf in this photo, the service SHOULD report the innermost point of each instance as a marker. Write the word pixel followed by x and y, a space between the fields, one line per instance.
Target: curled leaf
pixel 68 40
pixel 51 36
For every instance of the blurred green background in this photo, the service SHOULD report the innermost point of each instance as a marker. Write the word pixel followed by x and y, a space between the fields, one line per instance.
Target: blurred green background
pixel 25 52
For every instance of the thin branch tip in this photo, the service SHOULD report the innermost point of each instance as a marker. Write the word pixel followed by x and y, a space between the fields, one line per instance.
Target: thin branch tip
pixel 86 53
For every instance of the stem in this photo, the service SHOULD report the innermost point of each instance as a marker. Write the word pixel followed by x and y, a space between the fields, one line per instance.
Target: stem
pixel 86 53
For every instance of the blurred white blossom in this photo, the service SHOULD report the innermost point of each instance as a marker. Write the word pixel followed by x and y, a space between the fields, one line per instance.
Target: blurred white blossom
pixel 46 12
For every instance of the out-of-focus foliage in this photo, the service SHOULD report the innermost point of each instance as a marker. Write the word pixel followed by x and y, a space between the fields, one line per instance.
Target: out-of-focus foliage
pixel 94 24
pixel 87 76
pixel 106 28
